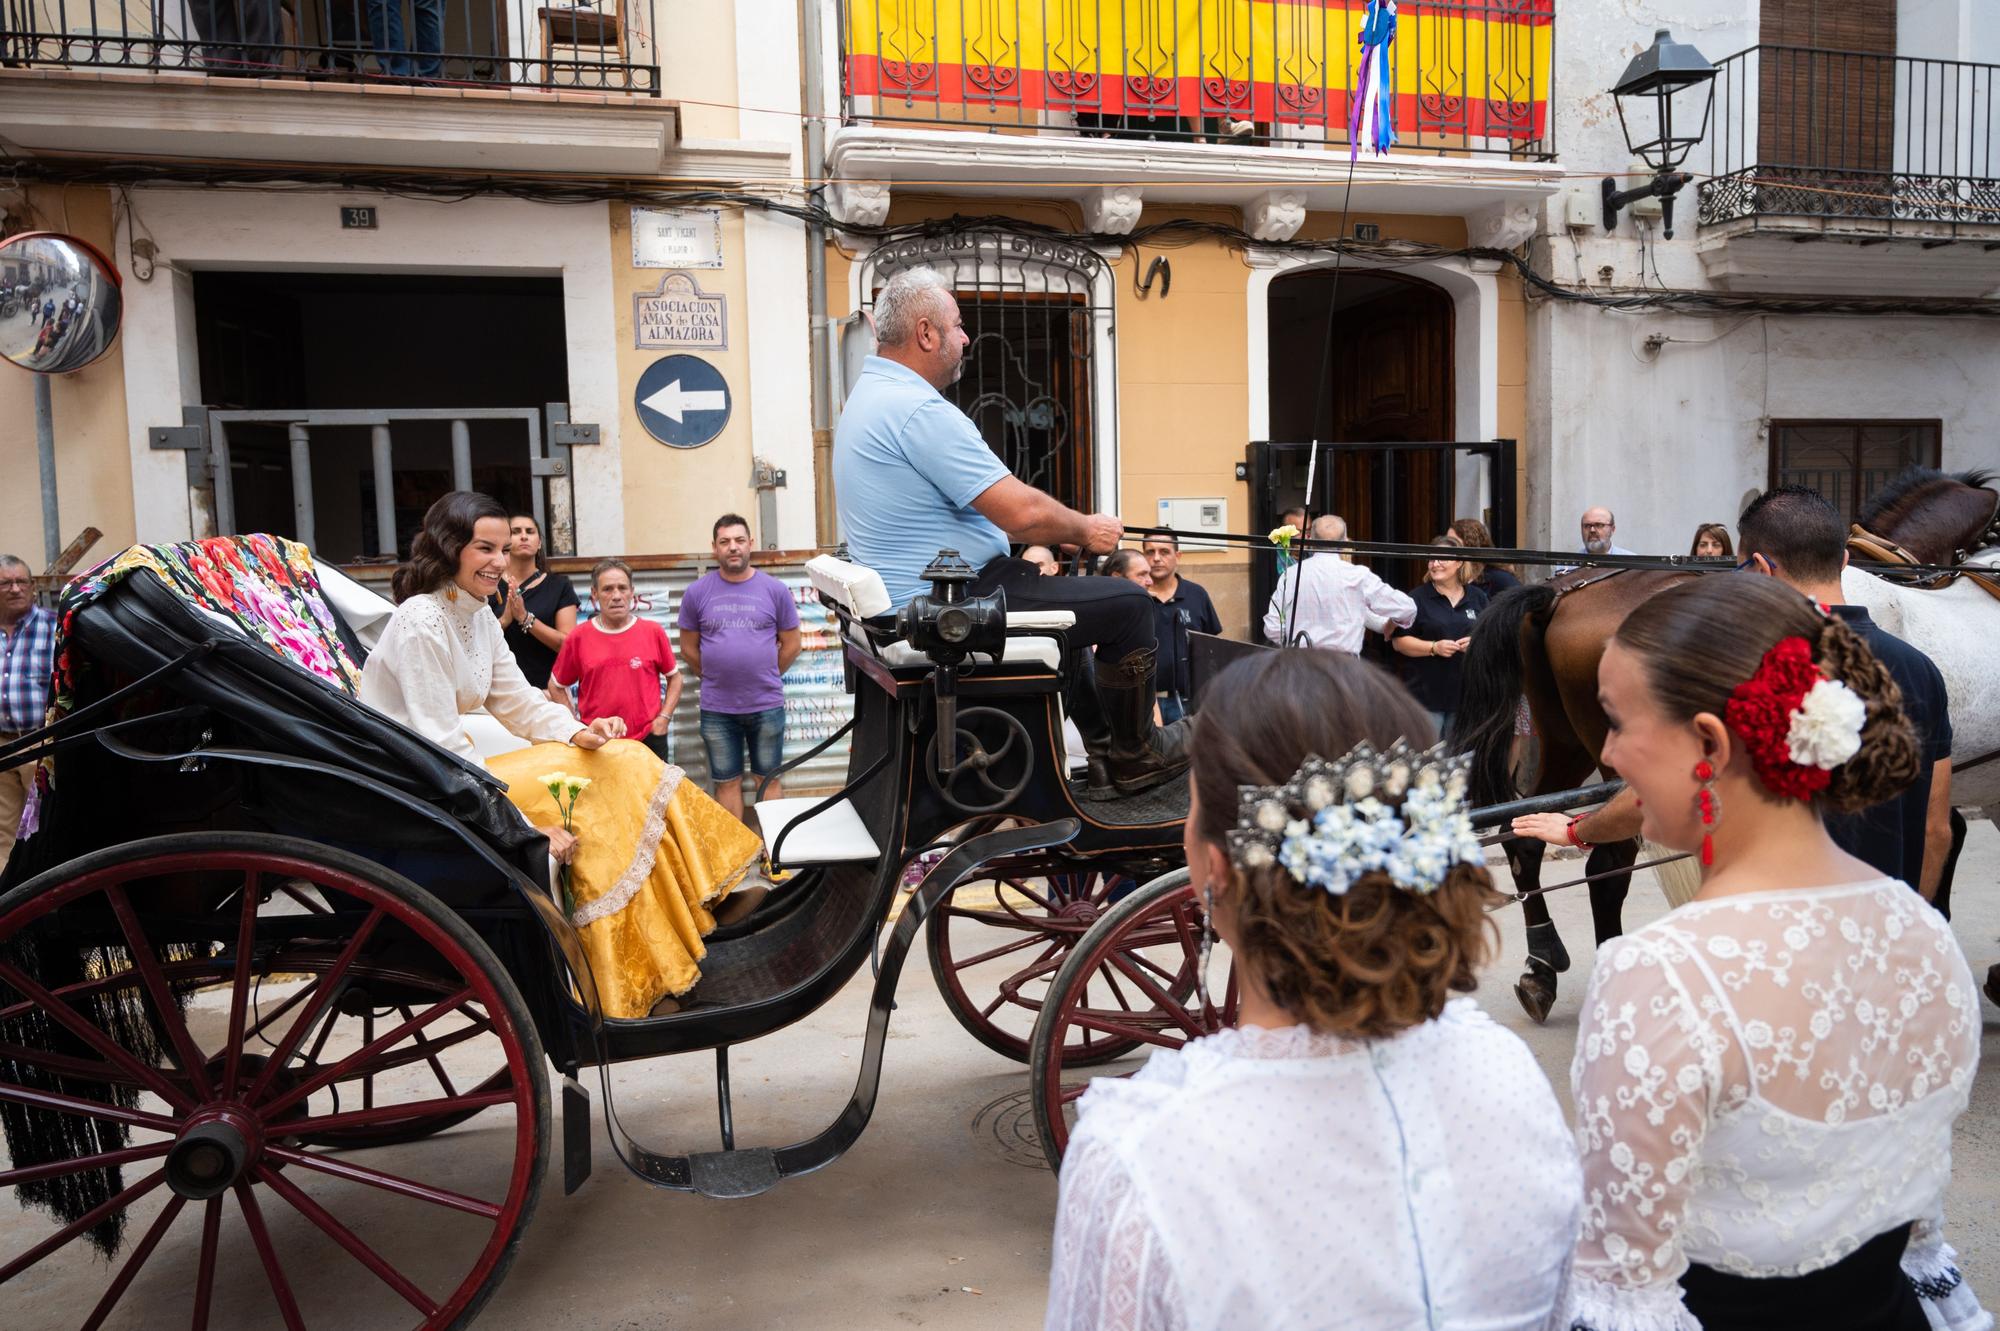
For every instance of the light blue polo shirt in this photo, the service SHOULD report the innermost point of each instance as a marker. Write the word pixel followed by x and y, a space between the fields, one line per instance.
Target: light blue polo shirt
pixel 906 467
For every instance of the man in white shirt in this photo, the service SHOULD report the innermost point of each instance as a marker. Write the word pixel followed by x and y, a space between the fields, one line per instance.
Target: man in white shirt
pixel 1339 601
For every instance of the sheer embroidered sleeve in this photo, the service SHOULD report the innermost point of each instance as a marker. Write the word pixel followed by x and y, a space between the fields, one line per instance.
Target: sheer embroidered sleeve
pixel 1645 1075
pixel 525 710
pixel 1107 1272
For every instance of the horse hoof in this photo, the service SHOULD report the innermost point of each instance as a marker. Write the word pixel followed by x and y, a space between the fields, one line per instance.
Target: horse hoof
pixel 1536 998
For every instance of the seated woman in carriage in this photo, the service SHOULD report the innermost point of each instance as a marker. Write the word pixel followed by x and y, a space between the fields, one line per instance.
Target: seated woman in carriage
pixel 650 853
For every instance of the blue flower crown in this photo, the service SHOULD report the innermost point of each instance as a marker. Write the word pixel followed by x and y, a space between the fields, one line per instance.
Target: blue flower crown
pixel 1401 812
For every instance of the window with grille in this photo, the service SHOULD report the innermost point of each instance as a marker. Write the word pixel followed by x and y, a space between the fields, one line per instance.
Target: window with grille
pixel 1848 461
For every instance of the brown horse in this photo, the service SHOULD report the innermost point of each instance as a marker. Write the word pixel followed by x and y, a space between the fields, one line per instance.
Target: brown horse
pixel 1544 641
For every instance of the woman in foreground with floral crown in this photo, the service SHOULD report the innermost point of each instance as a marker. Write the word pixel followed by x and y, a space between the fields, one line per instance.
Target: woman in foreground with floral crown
pixel 1363 1150
pixel 1766 1079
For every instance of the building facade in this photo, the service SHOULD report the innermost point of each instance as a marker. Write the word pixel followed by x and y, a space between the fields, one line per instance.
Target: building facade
pixel 352 280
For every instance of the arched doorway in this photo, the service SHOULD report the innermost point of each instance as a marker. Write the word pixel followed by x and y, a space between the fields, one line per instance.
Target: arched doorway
pixel 1370 368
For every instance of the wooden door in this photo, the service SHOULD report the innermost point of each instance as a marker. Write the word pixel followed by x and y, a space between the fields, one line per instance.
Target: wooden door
pixel 1826 102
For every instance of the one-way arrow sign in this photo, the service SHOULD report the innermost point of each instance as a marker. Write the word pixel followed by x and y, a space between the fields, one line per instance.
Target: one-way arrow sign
pixel 683 401
pixel 675 403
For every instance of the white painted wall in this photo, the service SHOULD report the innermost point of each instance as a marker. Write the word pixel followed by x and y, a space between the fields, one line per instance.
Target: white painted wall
pixel 301 232
pixel 1675 438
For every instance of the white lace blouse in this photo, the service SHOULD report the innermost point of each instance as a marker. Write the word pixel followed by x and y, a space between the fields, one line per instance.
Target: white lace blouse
pixel 443 656
pixel 1288 1181
pixel 1763 1083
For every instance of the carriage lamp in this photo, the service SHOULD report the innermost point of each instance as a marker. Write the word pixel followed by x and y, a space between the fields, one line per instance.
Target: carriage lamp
pixel 947 625
pixel 1667 88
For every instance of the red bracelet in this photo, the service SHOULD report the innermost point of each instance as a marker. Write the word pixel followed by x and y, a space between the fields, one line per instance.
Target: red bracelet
pixel 1576 840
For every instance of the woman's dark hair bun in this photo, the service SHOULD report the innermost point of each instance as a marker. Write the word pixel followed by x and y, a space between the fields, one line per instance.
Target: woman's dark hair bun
pixel 1888 760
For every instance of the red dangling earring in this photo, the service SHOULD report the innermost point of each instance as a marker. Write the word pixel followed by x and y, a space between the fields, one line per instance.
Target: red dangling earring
pixel 1704 772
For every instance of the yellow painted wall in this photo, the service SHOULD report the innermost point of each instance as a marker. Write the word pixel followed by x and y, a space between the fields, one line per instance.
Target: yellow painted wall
pixel 697 55
pixel 93 457
pixel 674 495
pixel 1184 369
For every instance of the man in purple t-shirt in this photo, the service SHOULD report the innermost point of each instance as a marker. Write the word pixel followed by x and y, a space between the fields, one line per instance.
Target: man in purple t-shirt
pixel 739 633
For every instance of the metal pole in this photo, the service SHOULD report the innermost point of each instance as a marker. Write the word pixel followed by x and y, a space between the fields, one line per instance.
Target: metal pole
pixel 461 456
pixel 385 493
pixel 302 484
pixel 45 448
pixel 224 481
pixel 820 339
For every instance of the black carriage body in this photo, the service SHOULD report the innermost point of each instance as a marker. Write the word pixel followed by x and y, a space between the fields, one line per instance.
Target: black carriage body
pixel 229 736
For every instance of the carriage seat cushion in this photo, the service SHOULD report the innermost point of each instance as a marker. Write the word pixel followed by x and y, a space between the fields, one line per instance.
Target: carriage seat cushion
pixel 1021 649
pixel 834 836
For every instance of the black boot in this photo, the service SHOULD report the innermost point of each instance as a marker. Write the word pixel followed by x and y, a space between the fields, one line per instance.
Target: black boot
pixel 1086 712
pixel 1141 755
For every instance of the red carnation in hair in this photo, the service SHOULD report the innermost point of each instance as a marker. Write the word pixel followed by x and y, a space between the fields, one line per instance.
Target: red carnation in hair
pixel 1760 710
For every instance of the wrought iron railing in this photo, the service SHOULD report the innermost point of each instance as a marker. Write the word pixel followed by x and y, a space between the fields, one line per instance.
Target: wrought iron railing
pixel 605 46
pixel 1800 132
pixel 1470 76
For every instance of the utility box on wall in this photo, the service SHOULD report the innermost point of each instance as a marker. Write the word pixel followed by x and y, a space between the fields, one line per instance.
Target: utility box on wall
pixel 1192 517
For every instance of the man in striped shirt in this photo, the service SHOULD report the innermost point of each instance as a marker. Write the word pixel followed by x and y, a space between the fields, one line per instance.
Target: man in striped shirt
pixel 27 658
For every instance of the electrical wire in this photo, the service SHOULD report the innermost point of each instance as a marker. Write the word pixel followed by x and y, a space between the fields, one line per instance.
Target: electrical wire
pixel 1171 233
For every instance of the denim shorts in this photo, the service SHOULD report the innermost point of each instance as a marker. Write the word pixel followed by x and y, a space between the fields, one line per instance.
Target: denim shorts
pixel 726 734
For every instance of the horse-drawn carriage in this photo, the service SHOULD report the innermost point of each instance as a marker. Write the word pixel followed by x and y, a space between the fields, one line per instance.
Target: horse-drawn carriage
pixel 266 947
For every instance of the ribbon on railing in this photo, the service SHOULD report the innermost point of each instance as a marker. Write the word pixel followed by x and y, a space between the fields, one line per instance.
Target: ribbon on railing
pixel 1371 116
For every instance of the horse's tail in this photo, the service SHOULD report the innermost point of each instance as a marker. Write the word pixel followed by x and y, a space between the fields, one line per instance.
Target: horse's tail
pixel 1484 724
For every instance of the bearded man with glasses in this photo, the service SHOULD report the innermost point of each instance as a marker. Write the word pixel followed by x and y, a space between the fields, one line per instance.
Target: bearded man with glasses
pixel 27 658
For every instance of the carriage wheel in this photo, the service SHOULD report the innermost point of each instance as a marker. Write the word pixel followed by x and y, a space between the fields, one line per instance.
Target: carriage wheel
pixel 1145 940
pixel 995 948
pixel 213 1054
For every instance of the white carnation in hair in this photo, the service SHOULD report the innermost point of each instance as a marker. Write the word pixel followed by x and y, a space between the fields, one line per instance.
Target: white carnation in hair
pixel 1826 728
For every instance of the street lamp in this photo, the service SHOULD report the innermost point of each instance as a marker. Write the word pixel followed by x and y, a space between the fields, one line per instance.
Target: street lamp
pixel 1667 84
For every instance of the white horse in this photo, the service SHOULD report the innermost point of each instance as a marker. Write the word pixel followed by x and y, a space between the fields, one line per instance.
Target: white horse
pixel 1959 629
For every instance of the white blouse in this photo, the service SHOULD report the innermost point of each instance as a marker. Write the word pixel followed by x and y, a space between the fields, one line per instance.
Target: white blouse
pixel 443 655
pixel 1763 1083
pixel 1282 1180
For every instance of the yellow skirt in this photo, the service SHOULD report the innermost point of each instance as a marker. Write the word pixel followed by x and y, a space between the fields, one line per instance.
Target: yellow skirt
pixel 653 853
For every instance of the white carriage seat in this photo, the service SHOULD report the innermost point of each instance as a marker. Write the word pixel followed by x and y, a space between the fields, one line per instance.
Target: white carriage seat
pixel 859 590
pixel 835 835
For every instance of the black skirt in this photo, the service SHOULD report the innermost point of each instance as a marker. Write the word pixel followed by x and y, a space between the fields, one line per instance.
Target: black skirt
pixel 1864 1291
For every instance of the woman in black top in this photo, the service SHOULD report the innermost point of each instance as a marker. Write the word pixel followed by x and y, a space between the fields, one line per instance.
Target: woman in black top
pixel 1489 578
pixel 536 608
pixel 1446 609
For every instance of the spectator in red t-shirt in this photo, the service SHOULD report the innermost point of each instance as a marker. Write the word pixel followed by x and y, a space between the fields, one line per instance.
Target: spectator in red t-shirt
pixel 621 661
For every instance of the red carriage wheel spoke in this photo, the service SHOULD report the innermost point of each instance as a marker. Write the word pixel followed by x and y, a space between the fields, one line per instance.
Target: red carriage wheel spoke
pixel 74 1023
pixel 1001 919
pixel 1072 1093
pixel 366 1052
pixel 256 1031
pixel 239 985
pixel 1010 988
pixel 198 971
pixel 1030 893
pixel 67 1065
pixel 1151 988
pixel 10 1178
pixel 116 1290
pixel 1136 1032
pixel 312 907
pixel 260 1235
pixel 204 1277
pixel 147 963
pixel 430 1055
pixel 81 1223
pixel 993 954
pixel 427 1051
pixel 110 1113
pixel 414 1111
pixel 1112 981
pixel 326 988
pixel 347 1239
pixel 376 1178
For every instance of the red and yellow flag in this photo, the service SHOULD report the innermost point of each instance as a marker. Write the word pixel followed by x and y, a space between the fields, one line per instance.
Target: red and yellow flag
pixel 1458 67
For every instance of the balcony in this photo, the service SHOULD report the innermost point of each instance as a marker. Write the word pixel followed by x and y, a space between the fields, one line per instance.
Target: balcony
pixel 1207 92
pixel 1891 158
pixel 498 84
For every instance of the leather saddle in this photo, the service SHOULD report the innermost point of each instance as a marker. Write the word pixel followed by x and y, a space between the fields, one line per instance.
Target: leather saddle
pixel 1864 544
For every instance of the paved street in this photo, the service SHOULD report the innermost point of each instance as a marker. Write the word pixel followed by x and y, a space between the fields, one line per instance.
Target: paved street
pixel 939 1218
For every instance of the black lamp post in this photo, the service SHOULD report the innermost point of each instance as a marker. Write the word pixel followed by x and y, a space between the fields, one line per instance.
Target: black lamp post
pixel 1667 85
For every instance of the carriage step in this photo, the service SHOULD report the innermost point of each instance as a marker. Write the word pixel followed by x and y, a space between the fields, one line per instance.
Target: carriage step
pixel 743 1173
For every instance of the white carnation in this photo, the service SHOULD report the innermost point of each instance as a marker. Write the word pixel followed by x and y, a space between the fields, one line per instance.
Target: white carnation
pixel 1826 728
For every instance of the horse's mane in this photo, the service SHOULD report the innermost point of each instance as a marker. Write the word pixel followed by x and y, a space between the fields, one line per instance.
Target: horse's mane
pixel 1914 481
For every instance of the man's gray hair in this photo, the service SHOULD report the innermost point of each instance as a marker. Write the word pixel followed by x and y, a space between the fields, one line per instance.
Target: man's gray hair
pixel 14 561
pixel 910 295
pixel 1329 527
